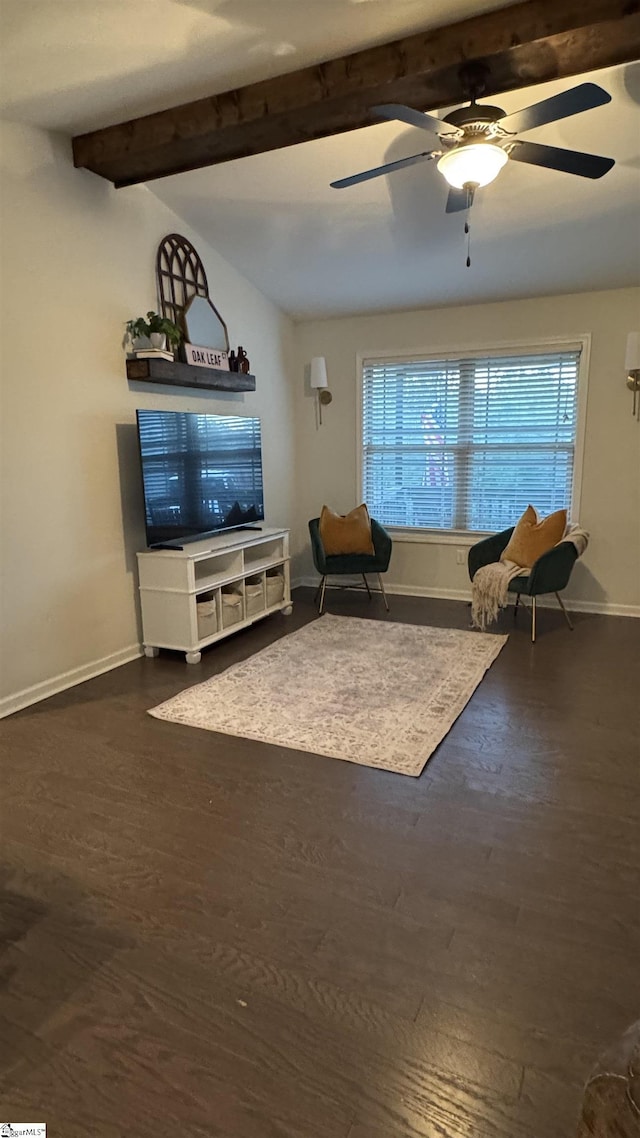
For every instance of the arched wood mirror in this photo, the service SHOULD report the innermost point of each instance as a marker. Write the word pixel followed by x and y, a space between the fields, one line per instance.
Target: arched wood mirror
pixel 183 294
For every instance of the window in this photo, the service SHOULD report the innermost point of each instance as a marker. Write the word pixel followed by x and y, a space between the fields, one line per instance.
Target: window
pixel 466 443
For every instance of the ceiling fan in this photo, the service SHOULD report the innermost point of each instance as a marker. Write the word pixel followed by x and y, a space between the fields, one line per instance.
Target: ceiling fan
pixel 477 141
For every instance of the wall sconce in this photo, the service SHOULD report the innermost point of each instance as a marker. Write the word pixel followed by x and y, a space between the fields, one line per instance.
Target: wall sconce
pixel 320 383
pixel 632 364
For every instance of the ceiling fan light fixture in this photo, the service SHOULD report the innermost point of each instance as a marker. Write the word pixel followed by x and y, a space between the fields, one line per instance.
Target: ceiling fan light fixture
pixel 475 163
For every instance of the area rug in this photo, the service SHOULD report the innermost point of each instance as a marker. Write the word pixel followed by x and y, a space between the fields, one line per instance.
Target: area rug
pixel 371 692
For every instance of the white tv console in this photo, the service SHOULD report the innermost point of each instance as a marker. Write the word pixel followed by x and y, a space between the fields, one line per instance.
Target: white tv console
pixel 195 596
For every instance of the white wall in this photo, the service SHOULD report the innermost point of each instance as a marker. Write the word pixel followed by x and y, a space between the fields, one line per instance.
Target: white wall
pixel 608 577
pixel 78 260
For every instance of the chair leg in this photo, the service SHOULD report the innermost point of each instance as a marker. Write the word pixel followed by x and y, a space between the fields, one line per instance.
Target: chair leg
pixel 566 614
pixel 323 586
pixel 384 595
pixel 366 585
pixel 533 620
pixel 515 607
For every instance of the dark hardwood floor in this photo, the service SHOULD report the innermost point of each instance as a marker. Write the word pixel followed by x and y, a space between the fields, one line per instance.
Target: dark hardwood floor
pixel 208 936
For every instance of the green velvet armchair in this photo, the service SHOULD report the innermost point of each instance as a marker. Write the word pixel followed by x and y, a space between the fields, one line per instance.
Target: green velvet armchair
pixel 351 564
pixel 550 573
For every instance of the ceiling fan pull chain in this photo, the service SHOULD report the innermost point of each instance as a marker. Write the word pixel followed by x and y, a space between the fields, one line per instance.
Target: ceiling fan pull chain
pixel 467 226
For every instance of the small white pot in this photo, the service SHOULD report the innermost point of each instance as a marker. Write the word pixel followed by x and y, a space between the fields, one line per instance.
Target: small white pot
pixel 158 340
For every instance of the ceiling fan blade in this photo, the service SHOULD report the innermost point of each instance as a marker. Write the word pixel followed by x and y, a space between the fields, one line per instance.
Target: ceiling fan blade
pixel 569 161
pixel 411 118
pixel 378 171
pixel 458 200
pixel 581 98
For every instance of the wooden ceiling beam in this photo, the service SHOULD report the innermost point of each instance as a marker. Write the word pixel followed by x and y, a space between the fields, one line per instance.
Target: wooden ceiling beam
pixel 525 44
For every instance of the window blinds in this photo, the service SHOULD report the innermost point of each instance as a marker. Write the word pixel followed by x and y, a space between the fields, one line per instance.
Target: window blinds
pixel 468 443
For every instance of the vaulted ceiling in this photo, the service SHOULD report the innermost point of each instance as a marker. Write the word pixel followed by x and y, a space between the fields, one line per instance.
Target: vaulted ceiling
pixel 74 66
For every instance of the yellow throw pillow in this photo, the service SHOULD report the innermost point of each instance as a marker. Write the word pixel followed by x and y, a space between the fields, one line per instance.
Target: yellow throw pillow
pixel 348 533
pixel 533 537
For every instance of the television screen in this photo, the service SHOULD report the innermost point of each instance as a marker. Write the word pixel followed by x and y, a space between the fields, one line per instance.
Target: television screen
pixel 201 474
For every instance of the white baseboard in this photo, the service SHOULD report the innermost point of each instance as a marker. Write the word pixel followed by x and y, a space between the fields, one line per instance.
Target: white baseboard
pixel 400 590
pixel 66 680
pixel 38 692
pixel 427 591
pixel 299 582
pixel 605 608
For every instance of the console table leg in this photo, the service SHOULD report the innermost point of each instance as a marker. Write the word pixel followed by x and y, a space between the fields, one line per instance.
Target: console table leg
pixel 287 610
pixel 150 651
pixel 193 657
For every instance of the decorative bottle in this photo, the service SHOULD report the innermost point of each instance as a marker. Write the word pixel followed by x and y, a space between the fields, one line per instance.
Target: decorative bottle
pixel 243 362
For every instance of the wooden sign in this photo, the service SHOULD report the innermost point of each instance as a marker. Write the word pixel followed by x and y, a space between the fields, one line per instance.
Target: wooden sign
pixel 206 357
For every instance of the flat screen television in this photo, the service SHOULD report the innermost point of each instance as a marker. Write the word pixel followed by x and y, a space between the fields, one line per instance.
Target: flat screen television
pixel 201 474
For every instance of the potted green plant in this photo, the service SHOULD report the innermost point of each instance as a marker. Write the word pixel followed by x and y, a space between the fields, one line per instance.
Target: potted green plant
pixel 158 329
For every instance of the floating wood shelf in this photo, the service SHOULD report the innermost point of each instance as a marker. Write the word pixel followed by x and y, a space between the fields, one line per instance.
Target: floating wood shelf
pixel 172 373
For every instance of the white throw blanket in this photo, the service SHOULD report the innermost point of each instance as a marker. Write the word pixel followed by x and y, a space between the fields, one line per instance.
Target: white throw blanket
pixel 490 586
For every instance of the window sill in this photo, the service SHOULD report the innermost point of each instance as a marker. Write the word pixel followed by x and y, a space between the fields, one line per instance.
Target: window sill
pixel 435 537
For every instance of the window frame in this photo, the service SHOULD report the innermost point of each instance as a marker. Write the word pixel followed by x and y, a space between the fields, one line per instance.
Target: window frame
pixel 581 342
